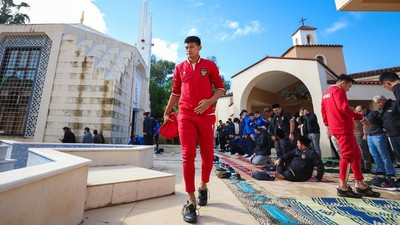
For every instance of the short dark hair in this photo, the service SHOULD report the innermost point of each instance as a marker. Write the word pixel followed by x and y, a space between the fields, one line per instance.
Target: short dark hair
pixel 65 128
pixel 87 128
pixel 192 39
pixel 346 78
pixel 95 132
pixel 274 106
pixel 305 141
pixel 243 111
pixel 388 76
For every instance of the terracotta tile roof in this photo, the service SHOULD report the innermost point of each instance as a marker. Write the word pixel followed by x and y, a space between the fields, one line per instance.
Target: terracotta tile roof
pixel 372 73
pixel 307 46
pixel 287 58
pixel 304 28
pixel 370 77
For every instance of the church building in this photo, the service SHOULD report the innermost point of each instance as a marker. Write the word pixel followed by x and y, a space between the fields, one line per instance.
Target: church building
pixel 298 78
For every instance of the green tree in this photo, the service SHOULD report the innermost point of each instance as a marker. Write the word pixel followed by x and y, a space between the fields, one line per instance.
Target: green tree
pixel 9 12
pixel 160 85
pixel 227 83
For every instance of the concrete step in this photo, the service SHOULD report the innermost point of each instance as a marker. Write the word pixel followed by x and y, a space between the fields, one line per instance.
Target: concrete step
pixel 113 185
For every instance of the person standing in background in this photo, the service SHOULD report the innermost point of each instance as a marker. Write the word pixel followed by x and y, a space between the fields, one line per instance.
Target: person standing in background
pixel 338 118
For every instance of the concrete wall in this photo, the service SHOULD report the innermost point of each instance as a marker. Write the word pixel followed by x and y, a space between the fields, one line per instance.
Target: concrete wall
pixel 48 194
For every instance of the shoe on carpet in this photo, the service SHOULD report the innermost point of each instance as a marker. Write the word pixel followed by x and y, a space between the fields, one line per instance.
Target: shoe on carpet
pixel 223 174
pixel 368 192
pixel 349 193
pixel 387 183
pixel 376 181
pixel 189 213
pixel 202 199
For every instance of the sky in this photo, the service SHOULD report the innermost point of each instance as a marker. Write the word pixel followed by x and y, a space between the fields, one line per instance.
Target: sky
pixel 238 33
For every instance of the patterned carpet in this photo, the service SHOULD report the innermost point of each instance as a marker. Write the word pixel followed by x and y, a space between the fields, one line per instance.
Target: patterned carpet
pixel 348 211
pixel 269 209
pixel 246 168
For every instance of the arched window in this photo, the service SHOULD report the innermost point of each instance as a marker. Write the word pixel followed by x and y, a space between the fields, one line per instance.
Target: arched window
pixel 309 39
pixel 321 59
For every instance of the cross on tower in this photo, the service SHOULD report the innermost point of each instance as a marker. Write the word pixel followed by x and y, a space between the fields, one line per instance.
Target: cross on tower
pixel 302 21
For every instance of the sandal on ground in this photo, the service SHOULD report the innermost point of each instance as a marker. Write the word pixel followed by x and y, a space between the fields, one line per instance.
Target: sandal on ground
pixel 368 192
pixel 349 193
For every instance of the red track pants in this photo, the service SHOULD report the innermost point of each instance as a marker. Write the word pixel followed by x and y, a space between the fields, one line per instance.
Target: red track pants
pixel 349 153
pixel 192 127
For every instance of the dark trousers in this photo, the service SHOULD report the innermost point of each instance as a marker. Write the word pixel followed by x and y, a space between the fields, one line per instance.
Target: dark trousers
pixel 148 139
pixel 291 174
pixel 249 145
pixel 222 143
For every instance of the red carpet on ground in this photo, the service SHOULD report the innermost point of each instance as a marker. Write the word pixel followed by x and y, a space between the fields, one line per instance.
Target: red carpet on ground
pixel 246 168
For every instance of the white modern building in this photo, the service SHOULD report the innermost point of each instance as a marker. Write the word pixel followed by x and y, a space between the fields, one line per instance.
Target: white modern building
pixel 70 75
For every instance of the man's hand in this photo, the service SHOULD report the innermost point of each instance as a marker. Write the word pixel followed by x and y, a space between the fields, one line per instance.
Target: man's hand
pixel 166 117
pixel 277 162
pixel 202 106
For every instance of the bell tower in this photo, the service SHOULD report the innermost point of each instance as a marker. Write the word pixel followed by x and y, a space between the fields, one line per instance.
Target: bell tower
pixel 305 35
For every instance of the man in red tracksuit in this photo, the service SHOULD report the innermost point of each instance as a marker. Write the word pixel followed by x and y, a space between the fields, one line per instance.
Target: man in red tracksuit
pixel 338 117
pixel 193 87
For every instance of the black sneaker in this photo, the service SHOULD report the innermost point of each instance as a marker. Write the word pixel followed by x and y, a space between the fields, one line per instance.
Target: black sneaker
pixel 223 174
pixel 368 192
pixel 388 184
pixel 376 181
pixel 189 213
pixel 349 193
pixel 202 199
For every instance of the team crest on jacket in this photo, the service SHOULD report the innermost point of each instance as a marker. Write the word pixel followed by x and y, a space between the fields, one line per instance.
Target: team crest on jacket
pixel 203 71
pixel 303 156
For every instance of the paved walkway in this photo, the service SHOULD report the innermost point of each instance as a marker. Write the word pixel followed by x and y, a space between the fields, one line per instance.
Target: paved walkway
pixel 223 208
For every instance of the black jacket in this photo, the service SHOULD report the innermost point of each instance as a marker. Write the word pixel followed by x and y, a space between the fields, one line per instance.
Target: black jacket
pixel 375 118
pixel 304 162
pixel 69 137
pixel 311 123
pixel 148 126
pixel 282 122
pixel 262 145
pixel 390 114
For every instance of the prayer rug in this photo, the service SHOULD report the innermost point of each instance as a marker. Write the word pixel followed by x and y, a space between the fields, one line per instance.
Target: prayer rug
pixel 246 168
pixel 347 211
pixel 268 209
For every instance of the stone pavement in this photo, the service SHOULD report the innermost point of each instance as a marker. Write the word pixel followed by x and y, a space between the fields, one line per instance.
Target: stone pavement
pixel 223 208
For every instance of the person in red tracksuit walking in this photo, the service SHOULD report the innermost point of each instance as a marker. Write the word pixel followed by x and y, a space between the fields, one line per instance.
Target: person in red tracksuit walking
pixel 193 87
pixel 338 118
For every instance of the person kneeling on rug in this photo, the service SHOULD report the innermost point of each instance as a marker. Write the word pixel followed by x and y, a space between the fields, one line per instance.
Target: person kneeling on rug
pixel 299 164
pixel 262 150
